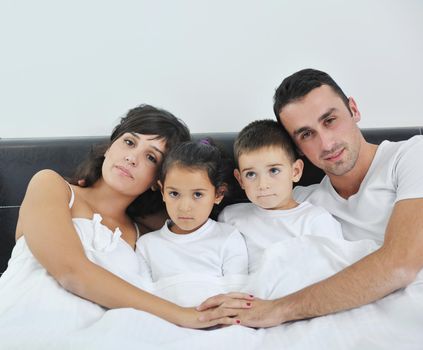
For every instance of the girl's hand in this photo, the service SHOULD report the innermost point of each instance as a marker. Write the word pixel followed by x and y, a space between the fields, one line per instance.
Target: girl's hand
pixel 190 318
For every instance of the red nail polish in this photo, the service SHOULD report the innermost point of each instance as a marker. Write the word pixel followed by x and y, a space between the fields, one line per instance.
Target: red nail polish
pixel 238 321
pixel 248 304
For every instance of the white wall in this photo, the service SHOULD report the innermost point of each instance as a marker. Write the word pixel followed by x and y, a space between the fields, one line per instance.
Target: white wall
pixel 74 67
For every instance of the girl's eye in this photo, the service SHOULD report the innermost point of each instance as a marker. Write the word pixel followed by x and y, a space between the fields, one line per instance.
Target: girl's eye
pixel 173 194
pixel 274 171
pixel 152 158
pixel 250 174
pixel 197 195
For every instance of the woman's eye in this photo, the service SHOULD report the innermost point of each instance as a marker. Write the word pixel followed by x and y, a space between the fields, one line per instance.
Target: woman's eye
pixel 152 158
pixel 129 142
pixel 197 195
pixel 173 194
pixel 274 171
pixel 250 174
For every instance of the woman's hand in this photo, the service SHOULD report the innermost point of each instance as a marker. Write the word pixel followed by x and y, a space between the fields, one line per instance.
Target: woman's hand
pixel 190 318
pixel 223 309
pixel 251 313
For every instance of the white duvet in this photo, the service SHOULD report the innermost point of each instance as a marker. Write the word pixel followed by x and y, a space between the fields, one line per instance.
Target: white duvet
pixel 36 313
pixel 395 322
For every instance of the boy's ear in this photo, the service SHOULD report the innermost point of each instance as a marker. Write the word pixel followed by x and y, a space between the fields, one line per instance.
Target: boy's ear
pixel 220 193
pixel 238 177
pixel 297 170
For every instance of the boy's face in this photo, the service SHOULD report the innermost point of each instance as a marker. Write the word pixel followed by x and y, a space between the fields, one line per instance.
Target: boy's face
pixel 266 175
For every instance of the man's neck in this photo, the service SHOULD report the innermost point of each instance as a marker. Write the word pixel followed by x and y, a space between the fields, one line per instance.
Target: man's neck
pixel 348 184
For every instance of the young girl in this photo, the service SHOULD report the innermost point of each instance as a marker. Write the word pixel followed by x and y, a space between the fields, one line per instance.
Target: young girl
pixel 193 180
pixel 75 245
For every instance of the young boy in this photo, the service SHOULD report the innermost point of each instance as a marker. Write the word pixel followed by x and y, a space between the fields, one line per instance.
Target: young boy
pixel 267 167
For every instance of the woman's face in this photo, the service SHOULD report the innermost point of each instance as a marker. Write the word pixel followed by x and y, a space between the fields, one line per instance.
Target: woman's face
pixel 132 161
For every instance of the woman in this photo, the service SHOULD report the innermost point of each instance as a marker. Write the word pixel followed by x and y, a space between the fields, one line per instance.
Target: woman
pixel 75 245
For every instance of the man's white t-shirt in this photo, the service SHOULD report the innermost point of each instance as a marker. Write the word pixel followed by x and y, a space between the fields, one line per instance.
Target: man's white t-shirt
pixel 215 249
pixel 262 227
pixel 396 173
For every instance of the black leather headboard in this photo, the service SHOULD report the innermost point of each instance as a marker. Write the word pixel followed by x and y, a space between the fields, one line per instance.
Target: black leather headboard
pixel 20 159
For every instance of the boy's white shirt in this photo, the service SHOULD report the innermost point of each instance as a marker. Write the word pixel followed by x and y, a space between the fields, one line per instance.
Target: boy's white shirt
pixel 215 249
pixel 264 227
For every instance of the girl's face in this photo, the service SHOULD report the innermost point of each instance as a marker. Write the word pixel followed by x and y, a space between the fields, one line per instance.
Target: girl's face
pixel 131 163
pixel 189 197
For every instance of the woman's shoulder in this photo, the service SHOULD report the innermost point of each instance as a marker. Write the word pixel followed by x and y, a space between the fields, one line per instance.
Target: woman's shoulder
pixel 47 175
pixel 49 183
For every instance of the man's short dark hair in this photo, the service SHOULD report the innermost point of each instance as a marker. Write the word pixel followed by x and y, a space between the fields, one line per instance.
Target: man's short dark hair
pixel 263 133
pixel 299 84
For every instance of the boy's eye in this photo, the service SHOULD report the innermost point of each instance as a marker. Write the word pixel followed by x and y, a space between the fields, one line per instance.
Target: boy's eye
pixel 173 194
pixel 250 174
pixel 274 171
pixel 197 195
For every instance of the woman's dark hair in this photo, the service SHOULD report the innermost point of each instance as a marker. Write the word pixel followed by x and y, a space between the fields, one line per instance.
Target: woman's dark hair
pixel 146 120
pixel 201 155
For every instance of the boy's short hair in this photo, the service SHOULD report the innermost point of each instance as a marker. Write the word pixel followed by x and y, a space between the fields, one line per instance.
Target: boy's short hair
pixel 263 133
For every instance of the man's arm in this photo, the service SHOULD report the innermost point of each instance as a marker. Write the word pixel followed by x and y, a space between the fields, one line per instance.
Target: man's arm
pixel 393 266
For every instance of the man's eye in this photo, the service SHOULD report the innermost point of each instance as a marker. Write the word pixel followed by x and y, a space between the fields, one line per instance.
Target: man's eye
pixel 197 195
pixel 274 171
pixel 173 194
pixel 306 135
pixel 329 121
pixel 250 174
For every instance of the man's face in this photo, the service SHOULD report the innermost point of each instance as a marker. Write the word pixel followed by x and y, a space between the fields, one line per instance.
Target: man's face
pixel 324 129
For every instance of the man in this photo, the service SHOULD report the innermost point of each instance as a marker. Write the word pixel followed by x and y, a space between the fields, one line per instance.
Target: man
pixel 374 191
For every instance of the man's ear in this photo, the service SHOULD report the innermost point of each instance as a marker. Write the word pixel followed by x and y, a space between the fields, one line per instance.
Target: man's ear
pixel 354 109
pixel 220 193
pixel 238 177
pixel 300 153
pixel 297 170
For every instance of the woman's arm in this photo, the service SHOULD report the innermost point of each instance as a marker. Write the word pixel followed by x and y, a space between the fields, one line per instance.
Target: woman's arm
pixel 46 221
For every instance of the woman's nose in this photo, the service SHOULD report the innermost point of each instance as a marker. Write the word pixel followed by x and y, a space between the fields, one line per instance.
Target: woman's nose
pixel 130 160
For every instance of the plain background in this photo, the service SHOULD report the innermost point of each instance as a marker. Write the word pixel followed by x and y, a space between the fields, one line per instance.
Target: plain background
pixel 72 68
